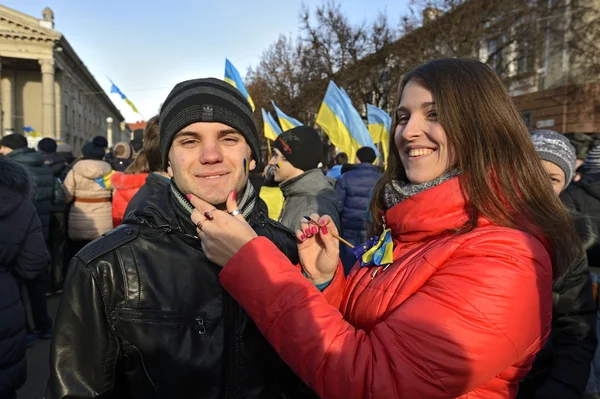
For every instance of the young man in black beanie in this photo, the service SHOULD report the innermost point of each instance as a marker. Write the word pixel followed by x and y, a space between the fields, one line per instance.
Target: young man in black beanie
pixel 143 314
pixel 296 156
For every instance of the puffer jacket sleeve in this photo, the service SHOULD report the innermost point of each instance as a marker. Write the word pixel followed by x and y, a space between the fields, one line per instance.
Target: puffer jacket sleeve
pixel 33 256
pixel 84 350
pixel 573 336
pixel 461 329
pixel 69 186
pixel 340 189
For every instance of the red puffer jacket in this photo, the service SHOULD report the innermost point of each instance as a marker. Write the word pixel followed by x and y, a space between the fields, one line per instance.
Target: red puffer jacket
pixel 455 316
pixel 125 188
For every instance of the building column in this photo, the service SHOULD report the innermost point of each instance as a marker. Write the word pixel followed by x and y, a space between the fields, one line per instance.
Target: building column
pixel 1 107
pixel 58 109
pixel 8 101
pixel 48 107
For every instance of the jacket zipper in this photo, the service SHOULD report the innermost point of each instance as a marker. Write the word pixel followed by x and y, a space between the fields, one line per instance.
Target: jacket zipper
pixel 161 317
pixel 231 326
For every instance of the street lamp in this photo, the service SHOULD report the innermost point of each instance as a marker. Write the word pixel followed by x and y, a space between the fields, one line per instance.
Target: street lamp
pixel 109 122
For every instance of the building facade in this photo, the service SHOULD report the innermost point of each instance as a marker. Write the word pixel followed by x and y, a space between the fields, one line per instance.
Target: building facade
pixel 46 87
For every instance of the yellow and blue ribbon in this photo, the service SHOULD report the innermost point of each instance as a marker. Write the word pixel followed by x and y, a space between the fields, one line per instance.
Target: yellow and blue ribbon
pixel 377 251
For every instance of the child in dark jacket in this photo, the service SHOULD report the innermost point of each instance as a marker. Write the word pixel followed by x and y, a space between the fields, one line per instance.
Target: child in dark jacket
pixel 562 367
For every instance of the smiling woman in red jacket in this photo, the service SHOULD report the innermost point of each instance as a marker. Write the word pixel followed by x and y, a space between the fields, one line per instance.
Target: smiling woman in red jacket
pixel 477 233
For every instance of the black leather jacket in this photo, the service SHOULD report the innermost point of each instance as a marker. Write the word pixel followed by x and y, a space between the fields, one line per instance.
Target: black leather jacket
pixel 143 315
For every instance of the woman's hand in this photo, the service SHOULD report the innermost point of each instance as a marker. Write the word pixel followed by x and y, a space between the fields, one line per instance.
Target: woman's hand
pixel 319 251
pixel 224 235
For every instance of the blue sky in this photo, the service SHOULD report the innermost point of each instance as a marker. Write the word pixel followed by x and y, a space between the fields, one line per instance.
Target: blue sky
pixel 146 47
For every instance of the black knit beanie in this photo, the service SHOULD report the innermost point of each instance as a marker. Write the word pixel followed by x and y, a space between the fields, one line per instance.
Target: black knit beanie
pixel 301 146
pixel 206 100
pixel 47 145
pixel 14 141
pixel 95 149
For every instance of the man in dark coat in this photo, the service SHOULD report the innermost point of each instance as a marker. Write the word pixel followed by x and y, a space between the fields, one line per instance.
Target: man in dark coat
pixel 143 314
pixel 23 256
pixel 57 162
pixel 57 242
pixel 354 190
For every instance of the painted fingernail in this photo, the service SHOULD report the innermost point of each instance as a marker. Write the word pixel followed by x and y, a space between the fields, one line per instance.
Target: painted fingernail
pixel 188 196
pixel 314 230
pixel 307 232
pixel 302 237
pixel 324 230
pixel 234 195
pixel 307 218
pixel 322 222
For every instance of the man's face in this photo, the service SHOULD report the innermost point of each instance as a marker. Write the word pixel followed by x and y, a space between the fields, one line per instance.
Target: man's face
pixel 283 170
pixel 207 159
pixel 5 150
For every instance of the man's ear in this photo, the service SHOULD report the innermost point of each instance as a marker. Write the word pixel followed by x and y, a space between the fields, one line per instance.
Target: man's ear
pixel 169 170
pixel 252 165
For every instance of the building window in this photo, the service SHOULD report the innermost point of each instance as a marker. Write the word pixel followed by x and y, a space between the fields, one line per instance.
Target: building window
pixel 527 118
pixel 524 49
pixel 66 114
pixel 495 57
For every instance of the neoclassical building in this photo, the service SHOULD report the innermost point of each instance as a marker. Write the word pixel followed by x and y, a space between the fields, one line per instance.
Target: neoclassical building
pixel 45 85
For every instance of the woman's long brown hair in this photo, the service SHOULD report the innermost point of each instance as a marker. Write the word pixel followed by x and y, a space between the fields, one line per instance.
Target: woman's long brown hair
pixel 139 164
pixel 502 176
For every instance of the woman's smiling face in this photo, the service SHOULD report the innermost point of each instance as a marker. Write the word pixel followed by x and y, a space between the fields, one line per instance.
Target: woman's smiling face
pixel 420 139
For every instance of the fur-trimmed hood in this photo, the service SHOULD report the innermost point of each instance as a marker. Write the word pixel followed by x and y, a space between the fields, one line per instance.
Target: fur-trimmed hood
pixel 15 185
pixel 585 228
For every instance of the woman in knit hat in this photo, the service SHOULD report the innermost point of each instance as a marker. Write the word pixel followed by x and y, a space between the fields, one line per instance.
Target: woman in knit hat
pixel 562 367
pixel 88 186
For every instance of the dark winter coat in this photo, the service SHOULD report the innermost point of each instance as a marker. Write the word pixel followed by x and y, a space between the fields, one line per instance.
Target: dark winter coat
pixel 56 162
pixel 119 164
pixel 584 196
pixel 354 190
pixel 143 315
pixel 309 193
pixel 155 183
pixel 49 195
pixel 22 256
pixel 561 369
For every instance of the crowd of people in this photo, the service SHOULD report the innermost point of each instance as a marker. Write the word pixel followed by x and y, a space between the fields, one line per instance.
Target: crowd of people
pixel 189 267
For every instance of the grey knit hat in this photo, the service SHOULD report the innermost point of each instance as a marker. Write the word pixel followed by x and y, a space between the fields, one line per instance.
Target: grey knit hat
pixel 556 148
pixel 206 100
pixel 591 164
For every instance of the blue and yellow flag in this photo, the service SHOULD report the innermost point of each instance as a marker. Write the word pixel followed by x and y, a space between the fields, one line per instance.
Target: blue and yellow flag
pixel 379 124
pixel 286 122
pixel 29 131
pixel 115 89
pixel 232 76
pixel 342 123
pixel 272 129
